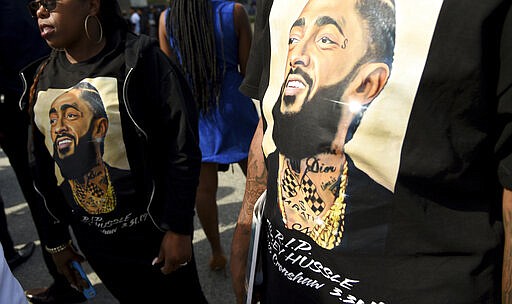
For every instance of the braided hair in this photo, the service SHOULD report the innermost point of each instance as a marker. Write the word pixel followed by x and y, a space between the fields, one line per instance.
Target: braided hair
pixel 190 24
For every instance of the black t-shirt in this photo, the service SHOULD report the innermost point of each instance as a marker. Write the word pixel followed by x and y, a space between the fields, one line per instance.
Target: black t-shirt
pixel 79 110
pixel 387 125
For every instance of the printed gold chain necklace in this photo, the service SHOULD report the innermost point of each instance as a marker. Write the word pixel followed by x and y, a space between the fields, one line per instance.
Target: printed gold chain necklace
pixel 91 197
pixel 327 231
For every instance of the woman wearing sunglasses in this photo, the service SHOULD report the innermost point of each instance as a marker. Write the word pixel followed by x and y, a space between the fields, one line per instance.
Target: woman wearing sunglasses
pixel 115 153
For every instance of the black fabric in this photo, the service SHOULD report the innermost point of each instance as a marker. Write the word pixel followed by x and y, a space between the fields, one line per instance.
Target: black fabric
pixel 5 237
pixel 443 238
pixel 257 74
pixel 124 266
pixel 504 92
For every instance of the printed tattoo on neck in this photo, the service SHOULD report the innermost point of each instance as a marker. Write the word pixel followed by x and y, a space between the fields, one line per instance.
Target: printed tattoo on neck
pixel 314 165
pixel 333 185
pixel 301 208
pixel 299 227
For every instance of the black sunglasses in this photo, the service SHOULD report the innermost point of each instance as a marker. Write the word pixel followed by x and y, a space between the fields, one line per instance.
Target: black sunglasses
pixel 49 6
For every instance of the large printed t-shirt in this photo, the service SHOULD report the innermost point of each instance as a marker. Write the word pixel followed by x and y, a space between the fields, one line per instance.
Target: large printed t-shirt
pixel 79 111
pixel 385 129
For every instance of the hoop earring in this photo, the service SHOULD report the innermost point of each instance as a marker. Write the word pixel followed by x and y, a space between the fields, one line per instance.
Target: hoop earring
pixel 87 30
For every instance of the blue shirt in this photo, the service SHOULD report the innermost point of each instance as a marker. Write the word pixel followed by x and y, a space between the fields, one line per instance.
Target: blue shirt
pixel 10 288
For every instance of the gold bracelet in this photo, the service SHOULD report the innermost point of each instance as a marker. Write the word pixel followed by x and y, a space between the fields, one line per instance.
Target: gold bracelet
pixel 59 248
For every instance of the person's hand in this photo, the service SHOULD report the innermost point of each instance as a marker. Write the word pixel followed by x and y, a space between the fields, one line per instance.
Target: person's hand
pixel 238 261
pixel 238 267
pixel 175 252
pixel 63 261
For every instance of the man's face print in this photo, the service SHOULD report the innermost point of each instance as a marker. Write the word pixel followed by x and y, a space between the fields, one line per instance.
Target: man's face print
pixel 70 120
pixel 72 125
pixel 326 45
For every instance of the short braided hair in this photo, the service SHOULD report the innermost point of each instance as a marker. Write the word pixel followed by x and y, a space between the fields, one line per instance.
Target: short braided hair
pixel 90 94
pixel 380 18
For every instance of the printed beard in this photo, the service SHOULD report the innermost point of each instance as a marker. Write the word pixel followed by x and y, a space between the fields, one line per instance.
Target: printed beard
pixel 311 130
pixel 79 163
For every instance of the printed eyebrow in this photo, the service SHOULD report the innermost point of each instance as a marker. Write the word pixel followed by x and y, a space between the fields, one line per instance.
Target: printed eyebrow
pixel 326 20
pixel 65 107
pixel 299 22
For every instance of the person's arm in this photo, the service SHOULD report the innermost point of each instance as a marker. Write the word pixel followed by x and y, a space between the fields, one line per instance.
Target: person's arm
pixel 507 254
pixel 163 38
pixel 255 185
pixel 244 34
pixel 175 161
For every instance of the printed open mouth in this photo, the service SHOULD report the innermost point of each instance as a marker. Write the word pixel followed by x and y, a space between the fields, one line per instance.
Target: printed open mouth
pixel 294 86
pixel 64 144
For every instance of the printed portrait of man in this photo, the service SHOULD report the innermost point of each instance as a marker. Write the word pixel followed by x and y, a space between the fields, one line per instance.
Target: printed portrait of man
pixel 78 126
pixel 339 60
